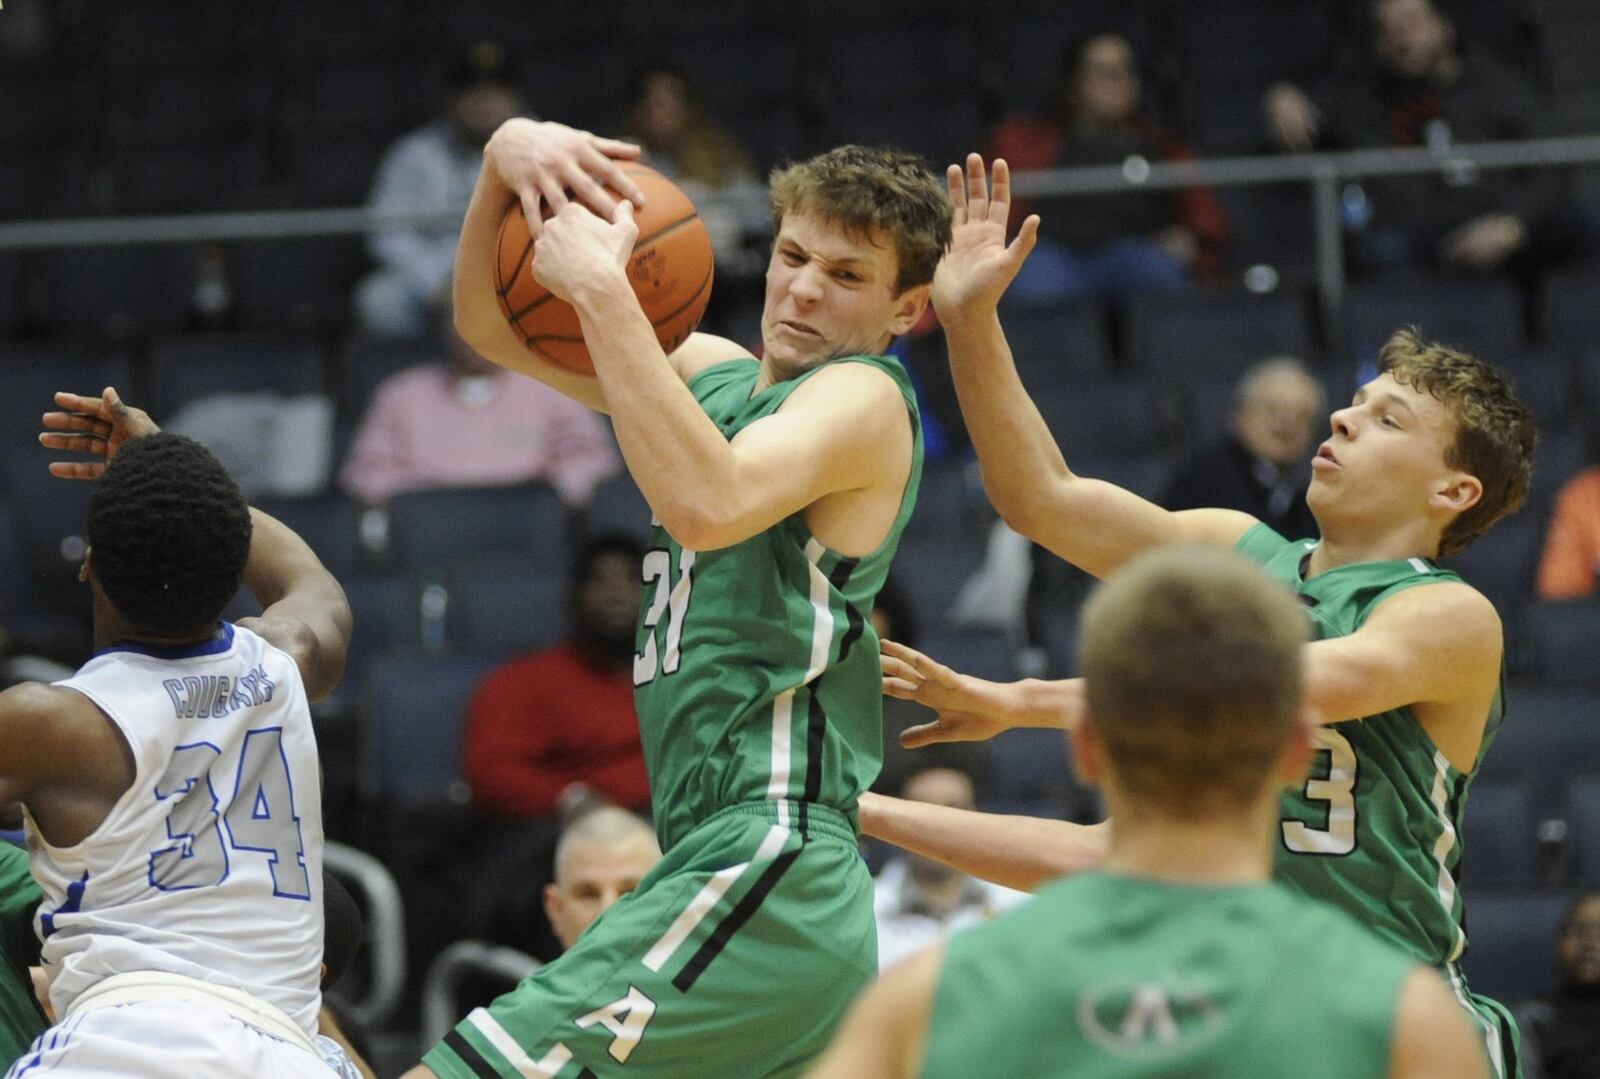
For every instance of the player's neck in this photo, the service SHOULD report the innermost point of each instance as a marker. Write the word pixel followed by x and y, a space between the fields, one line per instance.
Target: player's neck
pixel 1348 547
pixel 1217 850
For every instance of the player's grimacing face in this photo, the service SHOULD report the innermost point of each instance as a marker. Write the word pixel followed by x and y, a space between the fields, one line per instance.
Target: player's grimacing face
pixel 829 294
pixel 1386 451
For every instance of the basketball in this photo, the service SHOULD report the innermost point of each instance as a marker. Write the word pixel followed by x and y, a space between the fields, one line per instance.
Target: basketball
pixel 670 270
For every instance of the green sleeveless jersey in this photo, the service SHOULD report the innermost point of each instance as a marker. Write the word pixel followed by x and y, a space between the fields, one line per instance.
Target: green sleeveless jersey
pixel 756 666
pixel 21 1021
pixel 1104 976
pixel 1377 828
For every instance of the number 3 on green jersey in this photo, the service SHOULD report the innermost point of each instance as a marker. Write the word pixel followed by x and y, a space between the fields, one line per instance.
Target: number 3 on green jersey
pixel 671 599
pixel 1336 787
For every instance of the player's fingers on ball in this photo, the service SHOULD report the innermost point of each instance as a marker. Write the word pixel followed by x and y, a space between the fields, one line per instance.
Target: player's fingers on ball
pixel 588 190
pixel 618 180
pixel 555 196
pixel 627 151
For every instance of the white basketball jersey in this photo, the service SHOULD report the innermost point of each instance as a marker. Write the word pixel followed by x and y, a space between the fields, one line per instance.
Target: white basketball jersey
pixel 210 865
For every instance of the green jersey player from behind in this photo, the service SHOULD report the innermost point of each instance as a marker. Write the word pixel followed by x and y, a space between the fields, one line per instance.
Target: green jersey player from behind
pixel 1179 955
pixel 780 487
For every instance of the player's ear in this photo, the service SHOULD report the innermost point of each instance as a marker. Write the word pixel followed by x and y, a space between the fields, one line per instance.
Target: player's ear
pixel 908 309
pixel 552 902
pixel 1460 494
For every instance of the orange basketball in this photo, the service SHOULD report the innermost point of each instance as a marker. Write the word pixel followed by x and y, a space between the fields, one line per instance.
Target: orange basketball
pixel 670 270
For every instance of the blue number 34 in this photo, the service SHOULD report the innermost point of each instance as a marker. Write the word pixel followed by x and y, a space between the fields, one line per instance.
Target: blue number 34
pixel 260 818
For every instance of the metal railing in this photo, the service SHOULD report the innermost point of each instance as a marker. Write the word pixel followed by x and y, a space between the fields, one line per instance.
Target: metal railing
pixel 1324 172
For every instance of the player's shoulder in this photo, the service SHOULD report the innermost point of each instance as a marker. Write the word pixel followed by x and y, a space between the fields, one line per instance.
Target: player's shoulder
pixel 855 383
pixel 34 702
pixel 705 350
pixel 1448 605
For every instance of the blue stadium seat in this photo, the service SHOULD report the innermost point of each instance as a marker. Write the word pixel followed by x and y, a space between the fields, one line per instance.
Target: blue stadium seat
pixel 301 283
pixel 329 523
pixel 1483 317
pixel 1569 317
pixel 1498 835
pixel 438 528
pixel 1057 343
pixel 116 292
pixel 1501 563
pixel 1583 820
pixel 1199 337
pixel 1116 416
pixel 366 360
pixel 1542 727
pixel 932 571
pixel 982 653
pixel 501 604
pixel 385 609
pixel 1563 638
pixel 193 366
pixel 950 506
pixel 414 707
pixel 617 506
pixel 1511 938
pixel 1033 776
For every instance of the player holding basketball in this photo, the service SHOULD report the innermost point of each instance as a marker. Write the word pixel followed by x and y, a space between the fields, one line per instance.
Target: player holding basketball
pixel 1406 670
pixel 781 486
pixel 171 786
pixel 1179 956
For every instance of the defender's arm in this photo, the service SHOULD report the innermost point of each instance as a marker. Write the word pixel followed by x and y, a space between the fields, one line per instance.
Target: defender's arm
pixel 305 612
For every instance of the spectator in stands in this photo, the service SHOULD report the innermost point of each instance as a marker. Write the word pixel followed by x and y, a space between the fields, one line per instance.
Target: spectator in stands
pixel 433 168
pixel 601 857
pixel 919 901
pixel 1570 566
pixel 468 423
pixel 1561 1034
pixel 1112 244
pixel 1263 465
pixel 559 725
pixel 1425 91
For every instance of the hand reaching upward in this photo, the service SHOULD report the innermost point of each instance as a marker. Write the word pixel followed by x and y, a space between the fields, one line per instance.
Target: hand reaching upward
pixel 97 426
pixel 980 265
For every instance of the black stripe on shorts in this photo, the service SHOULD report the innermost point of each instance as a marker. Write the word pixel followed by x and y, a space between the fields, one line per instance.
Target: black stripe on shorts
pixel 470 1055
pixel 742 912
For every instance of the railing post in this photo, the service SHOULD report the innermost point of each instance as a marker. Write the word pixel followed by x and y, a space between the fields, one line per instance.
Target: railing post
pixel 1328 226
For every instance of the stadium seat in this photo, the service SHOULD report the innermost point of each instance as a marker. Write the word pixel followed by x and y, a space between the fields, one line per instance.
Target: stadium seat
pixel 932 571
pixel 1033 776
pixel 384 93
pixel 983 653
pixel 385 609
pixel 1569 316
pixel 1536 740
pixel 190 102
pixel 1109 417
pixel 617 506
pixel 300 283
pixel 1032 33
pixel 502 604
pixel 1561 454
pixel 334 170
pixel 117 292
pixel 192 366
pixel 438 528
pixel 950 506
pixel 415 705
pixel 366 360
pixel 1511 942
pixel 1200 337
pixel 1501 563
pixel 329 523
pixel 1057 343
pixel 11 306
pixel 1583 820
pixel 1563 639
pixel 1497 842
pixel 1483 317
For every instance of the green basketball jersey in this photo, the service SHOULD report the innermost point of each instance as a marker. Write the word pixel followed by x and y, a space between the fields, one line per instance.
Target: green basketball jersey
pixel 756 666
pixel 1104 976
pixel 21 1021
pixel 1377 829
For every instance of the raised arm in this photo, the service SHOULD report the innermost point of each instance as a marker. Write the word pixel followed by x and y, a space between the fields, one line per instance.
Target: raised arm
pixel 1092 524
pixel 1019 852
pixel 304 610
pixel 537 163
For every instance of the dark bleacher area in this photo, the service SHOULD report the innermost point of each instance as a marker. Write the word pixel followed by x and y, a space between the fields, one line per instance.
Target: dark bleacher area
pixel 140 108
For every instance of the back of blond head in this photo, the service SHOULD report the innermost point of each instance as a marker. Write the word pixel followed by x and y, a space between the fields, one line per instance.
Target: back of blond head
pixel 1191 659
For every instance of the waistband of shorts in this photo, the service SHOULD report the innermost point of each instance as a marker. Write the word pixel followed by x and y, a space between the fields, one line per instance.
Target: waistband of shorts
pixel 810 819
pixel 144 986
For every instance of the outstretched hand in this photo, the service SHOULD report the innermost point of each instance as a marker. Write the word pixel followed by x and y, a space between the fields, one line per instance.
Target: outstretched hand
pixel 967 709
pixel 550 164
pixel 980 265
pixel 97 426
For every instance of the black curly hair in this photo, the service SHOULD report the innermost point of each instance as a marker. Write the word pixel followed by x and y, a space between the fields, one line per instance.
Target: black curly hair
pixel 169 534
